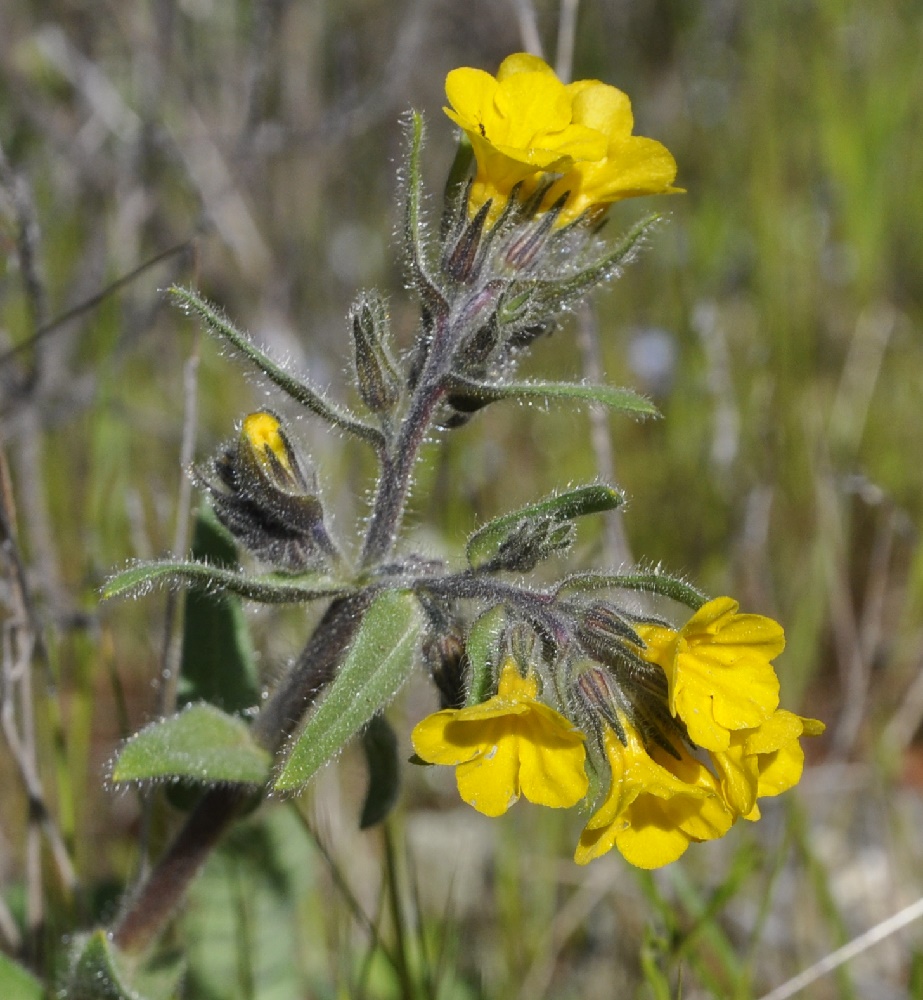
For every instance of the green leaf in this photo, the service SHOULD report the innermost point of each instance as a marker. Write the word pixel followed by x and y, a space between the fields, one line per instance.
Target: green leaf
pixel 200 744
pixel 466 395
pixel 413 209
pixel 379 744
pixel 218 663
pixel 480 649
pixel 621 254
pixel 459 173
pixel 653 581
pixel 244 922
pixel 269 588
pixel 17 983
pixel 296 388
pixel 377 664
pixel 95 972
pixel 484 544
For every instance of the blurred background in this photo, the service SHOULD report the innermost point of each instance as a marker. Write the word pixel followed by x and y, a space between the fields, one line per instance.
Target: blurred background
pixel 252 150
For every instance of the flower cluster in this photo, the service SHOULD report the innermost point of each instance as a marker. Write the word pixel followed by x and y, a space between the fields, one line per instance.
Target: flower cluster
pixel 680 728
pixel 575 140
pixel 559 695
pixel 722 694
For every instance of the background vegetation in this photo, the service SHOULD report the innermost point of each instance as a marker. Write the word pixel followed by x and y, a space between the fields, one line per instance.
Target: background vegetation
pixel 249 149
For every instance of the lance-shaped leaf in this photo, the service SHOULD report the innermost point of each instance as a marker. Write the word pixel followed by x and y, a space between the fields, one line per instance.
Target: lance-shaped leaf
pixel 413 212
pixel 200 744
pixel 298 389
pixel 654 581
pixel 481 651
pixel 570 289
pixel 96 973
pixel 468 396
pixel 379 744
pixel 17 983
pixel 487 541
pixel 268 588
pixel 377 664
pixel 218 664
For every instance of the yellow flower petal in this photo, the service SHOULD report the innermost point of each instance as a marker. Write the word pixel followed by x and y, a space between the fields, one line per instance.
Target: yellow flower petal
pixel 511 745
pixel 654 808
pixel 764 761
pixel 523 62
pixel 524 123
pixel 718 670
pixel 490 782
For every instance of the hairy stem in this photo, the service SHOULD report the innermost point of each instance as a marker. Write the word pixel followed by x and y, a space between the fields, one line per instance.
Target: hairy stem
pixel 397 465
pixel 164 888
pixel 156 899
pixel 394 484
pixel 162 891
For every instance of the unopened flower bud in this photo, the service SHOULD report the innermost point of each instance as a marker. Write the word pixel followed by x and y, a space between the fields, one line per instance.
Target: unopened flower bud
pixel 265 498
pixel 378 378
pixel 461 260
pixel 595 693
pixel 448 668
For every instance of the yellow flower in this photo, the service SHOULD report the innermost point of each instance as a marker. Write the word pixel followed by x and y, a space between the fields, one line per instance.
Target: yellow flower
pixel 525 123
pixel 633 166
pixel 764 761
pixel 718 670
pixel 510 745
pixel 656 805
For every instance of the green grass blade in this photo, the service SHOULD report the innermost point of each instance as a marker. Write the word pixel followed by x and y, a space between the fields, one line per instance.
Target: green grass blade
pixel 17 983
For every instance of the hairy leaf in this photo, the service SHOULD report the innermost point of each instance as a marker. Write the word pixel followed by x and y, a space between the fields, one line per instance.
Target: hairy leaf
pixel 95 972
pixel 377 664
pixel 268 588
pixel 199 744
pixel 654 581
pixel 296 388
pixel 466 395
pixel 484 544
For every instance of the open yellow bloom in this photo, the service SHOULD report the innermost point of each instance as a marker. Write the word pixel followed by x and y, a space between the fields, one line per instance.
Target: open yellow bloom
pixel 719 670
pixel 656 805
pixel 632 166
pixel 510 745
pixel 525 123
pixel 764 761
